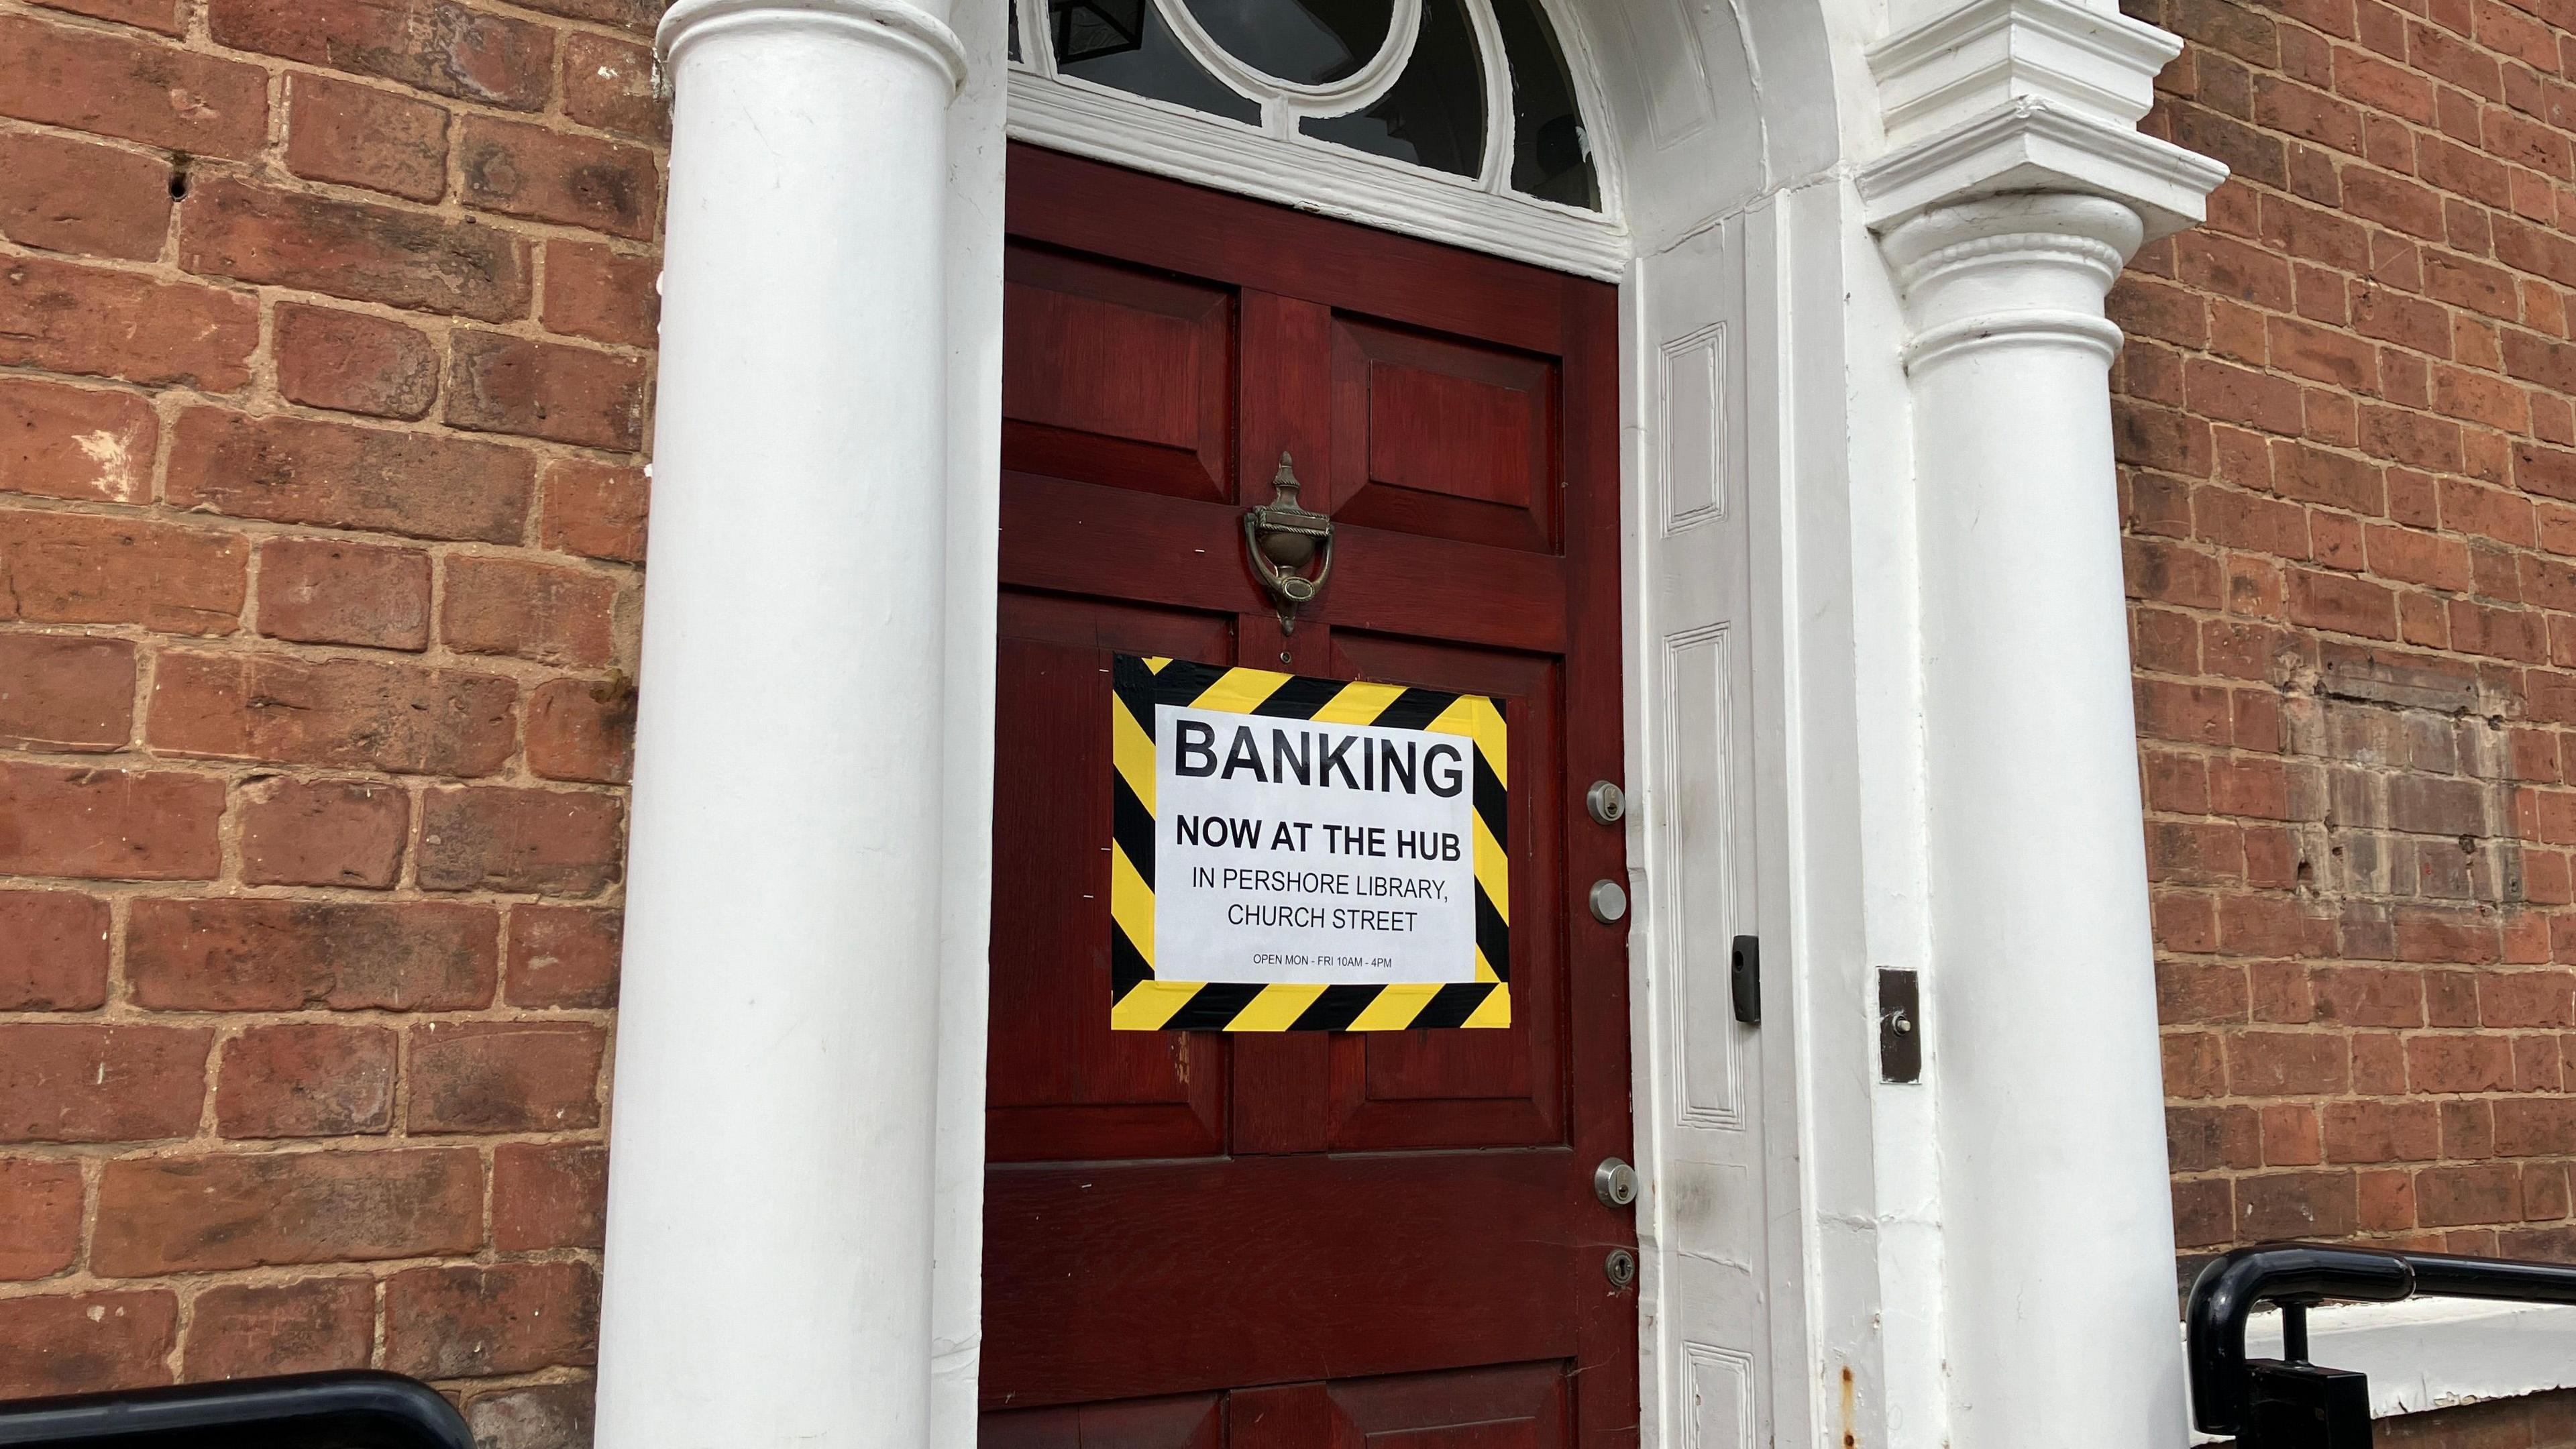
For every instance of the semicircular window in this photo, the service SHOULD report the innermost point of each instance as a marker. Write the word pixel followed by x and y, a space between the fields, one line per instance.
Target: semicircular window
pixel 1477 93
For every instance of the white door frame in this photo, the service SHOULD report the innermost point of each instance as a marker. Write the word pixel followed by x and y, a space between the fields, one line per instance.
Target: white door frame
pixel 1816 697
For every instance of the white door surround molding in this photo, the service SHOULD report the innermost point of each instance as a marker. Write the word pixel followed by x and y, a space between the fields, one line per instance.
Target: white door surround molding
pixel 1868 491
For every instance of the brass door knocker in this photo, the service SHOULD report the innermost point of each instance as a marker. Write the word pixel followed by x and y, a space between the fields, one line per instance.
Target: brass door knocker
pixel 1284 536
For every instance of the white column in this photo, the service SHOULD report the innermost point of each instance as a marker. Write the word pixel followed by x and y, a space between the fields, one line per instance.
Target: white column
pixel 771 1199
pixel 2042 1013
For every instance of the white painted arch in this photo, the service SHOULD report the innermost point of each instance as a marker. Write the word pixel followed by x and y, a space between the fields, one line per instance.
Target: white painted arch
pixel 1845 544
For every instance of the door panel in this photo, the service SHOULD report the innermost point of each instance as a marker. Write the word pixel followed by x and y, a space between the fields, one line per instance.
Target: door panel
pixel 1476 1088
pixel 1443 438
pixel 1060 1083
pixel 1377 1240
pixel 1114 376
pixel 1267 1269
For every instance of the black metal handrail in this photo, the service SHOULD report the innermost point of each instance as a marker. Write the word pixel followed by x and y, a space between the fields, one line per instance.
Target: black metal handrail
pixel 2289 1403
pixel 351 1410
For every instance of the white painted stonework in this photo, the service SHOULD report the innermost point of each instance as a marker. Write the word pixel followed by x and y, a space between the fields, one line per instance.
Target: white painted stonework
pixel 1877 712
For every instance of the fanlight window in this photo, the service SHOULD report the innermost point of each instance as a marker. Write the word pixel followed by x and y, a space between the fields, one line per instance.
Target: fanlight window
pixel 1476 93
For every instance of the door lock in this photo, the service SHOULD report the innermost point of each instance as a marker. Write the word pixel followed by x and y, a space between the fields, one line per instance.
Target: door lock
pixel 1284 536
pixel 1614 1182
pixel 1620 1268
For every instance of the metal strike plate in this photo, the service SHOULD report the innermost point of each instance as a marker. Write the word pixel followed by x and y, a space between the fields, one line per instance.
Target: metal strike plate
pixel 1605 802
pixel 1614 1182
pixel 1900 1026
pixel 1744 975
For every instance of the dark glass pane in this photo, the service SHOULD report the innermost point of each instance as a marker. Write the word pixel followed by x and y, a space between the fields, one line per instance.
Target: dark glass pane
pixel 1306 42
pixel 1123 43
pixel 1015 31
pixel 1551 152
pixel 1435 114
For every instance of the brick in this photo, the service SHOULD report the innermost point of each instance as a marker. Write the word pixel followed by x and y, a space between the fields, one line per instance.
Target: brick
pixel 564 956
pixel 2459 1064
pixel 524 170
pixel 594 291
pixel 109 824
pixel 597 509
pixel 497 383
pixel 609 84
pixel 66 317
pixel 433 45
pixel 63 195
pixel 40 1217
pixel 352 362
pixel 324 591
pixel 2452 1196
pixel 2381 1132
pixel 2295 1205
pixel 2326 354
pixel 184 1214
pixel 340 713
pixel 539 1416
pixel 323 833
pixel 86 1343
pixel 545 612
pixel 2159 570
pixel 2236 395
pixel 2199 1139
pixel 78 1082
pixel 2538 359
pixel 2276 1063
pixel 361 136
pixel 64 568
pixel 2527 998
pixel 2343 604
pixel 503 1077
pixel 81 443
pixel 635 15
pixel 306 1080
pixel 2370 996
pixel 66 691
pixel 2204 1213
pixel 548 1195
pixel 2227 267
pixel 132 89
pixel 297 470
pixel 353 249
pixel 492 837
pixel 57 959
pixel 243 954
pixel 2535 1127
pixel 2314 475
pixel 580 729
pixel 457 1322
pixel 250 1330
pixel 161 15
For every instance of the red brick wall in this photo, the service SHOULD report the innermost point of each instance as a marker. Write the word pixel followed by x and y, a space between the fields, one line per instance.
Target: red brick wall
pixel 2350 482
pixel 324 368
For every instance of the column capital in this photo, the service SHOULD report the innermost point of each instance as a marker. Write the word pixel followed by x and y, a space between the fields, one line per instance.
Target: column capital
pixel 897 24
pixel 1997 96
pixel 2022 267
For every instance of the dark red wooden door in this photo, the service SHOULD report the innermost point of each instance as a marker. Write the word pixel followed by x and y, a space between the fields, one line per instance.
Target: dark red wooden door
pixel 1300 1241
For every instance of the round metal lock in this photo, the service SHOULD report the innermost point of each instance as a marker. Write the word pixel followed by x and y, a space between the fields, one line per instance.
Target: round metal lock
pixel 1614 1182
pixel 1605 802
pixel 1609 901
pixel 1620 1268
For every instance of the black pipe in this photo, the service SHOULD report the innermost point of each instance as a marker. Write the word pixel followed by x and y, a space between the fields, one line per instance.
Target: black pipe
pixel 2225 1294
pixel 351 1410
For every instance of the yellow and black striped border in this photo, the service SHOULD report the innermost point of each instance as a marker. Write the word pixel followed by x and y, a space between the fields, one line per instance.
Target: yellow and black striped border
pixel 1142 1002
